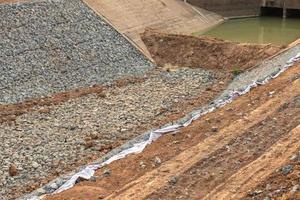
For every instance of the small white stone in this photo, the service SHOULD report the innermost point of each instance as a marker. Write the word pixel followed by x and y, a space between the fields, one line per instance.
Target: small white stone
pixel 35 165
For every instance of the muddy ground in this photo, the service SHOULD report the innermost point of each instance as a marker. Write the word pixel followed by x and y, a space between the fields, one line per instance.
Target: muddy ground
pixel 204 52
pixel 233 153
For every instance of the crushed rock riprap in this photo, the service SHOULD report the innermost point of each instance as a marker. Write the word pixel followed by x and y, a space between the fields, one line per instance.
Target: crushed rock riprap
pixel 52 46
pixel 40 144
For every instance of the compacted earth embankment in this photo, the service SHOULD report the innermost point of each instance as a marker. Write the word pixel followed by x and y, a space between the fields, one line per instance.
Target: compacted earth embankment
pixel 248 149
pixel 99 188
pixel 204 52
pixel 72 89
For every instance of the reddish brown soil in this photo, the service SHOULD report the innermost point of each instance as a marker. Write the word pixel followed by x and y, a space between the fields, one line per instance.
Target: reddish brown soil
pixel 9 112
pixel 208 173
pixel 13 1
pixel 233 139
pixel 182 51
pixel 280 185
pixel 206 52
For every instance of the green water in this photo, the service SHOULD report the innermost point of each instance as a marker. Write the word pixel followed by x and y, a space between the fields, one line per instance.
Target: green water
pixel 261 30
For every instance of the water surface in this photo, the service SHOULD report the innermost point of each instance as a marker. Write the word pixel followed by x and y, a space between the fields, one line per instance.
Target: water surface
pixel 258 30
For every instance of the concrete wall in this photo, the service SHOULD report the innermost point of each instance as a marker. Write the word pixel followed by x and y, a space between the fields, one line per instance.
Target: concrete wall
pixel 289 4
pixel 293 4
pixel 230 8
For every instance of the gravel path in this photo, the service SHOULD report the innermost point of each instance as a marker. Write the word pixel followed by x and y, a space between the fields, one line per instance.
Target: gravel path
pixel 42 143
pixel 53 46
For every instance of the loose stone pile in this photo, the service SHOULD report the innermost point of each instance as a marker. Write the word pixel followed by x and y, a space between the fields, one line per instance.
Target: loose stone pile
pixel 53 46
pixel 43 143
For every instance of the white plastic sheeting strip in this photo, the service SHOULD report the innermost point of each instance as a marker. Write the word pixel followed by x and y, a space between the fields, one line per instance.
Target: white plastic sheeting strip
pixel 89 171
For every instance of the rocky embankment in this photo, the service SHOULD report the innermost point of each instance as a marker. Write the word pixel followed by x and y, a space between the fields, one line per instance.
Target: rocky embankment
pixel 51 140
pixel 54 46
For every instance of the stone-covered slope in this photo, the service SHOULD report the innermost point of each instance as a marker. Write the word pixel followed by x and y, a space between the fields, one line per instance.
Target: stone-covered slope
pixel 54 46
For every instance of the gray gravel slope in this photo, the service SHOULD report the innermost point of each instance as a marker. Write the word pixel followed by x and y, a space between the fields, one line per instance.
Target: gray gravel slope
pixel 39 144
pixel 53 46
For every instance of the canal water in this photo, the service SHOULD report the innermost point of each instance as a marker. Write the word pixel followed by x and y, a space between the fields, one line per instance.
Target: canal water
pixel 261 30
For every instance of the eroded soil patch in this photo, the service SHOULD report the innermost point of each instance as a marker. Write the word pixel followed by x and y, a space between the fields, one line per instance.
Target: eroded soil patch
pixel 205 52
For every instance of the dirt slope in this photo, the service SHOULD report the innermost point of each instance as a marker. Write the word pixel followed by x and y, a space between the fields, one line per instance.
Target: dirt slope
pixel 206 52
pixel 232 153
pixel 13 1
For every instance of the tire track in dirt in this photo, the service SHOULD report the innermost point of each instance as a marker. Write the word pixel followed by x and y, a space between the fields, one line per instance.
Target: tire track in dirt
pixel 13 1
pixel 279 185
pixel 282 183
pixel 222 164
pixel 237 186
pixel 154 180
pixel 9 112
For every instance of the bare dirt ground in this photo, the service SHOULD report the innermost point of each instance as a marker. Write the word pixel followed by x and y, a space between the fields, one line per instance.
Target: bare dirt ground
pixel 13 1
pixel 247 150
pixel 9 112
pixel 8 1
pixel 45 106
pixel 205 52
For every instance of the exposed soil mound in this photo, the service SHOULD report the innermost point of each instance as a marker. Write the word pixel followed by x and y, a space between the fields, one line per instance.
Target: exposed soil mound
pixel 206 52
pixel 9 112
pixel 11 1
